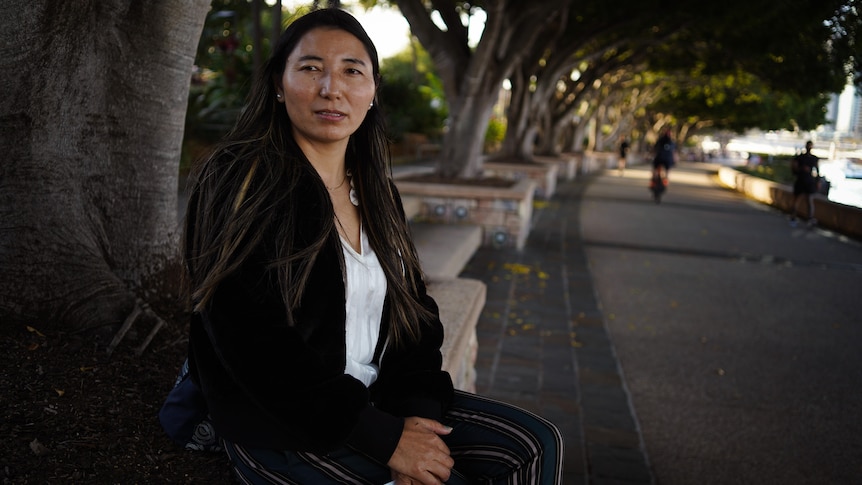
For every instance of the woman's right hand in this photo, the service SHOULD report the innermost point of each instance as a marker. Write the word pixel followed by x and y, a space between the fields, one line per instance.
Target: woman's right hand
pixel 421 455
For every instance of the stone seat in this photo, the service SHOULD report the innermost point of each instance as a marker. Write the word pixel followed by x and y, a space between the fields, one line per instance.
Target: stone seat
pixel 444 250
pixel 461 301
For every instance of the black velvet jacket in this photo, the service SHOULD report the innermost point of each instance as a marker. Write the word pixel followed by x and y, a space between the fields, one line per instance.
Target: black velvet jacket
pixel 270 385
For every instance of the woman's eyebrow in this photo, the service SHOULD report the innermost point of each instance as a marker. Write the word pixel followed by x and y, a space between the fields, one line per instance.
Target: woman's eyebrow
pixel 312 57
pixel 354 61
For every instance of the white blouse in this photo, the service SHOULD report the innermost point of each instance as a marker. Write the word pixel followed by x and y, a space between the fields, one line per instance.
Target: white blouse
pixel 365 290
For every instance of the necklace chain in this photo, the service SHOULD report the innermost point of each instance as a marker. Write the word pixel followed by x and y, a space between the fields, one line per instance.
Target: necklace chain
pixel 339 185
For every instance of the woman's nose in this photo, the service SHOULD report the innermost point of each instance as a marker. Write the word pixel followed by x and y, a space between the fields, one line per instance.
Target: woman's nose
pixel 329 86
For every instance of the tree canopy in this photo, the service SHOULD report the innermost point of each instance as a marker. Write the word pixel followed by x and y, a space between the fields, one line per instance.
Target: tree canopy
pixel 733 64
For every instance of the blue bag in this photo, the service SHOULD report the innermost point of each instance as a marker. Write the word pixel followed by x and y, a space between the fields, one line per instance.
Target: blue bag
pixel 185 418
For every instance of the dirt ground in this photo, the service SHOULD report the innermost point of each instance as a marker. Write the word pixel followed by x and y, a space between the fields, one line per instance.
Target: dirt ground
pixel 70 414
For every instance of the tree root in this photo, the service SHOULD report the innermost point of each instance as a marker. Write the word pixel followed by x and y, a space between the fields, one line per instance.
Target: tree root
pixel 141 309
pixel 158 326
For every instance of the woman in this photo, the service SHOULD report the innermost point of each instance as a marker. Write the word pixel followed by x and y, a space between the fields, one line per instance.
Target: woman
pixel 312 338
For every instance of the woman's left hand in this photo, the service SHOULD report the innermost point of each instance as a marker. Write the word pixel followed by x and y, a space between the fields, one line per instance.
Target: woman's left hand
pixel 401 479
pixel 421 455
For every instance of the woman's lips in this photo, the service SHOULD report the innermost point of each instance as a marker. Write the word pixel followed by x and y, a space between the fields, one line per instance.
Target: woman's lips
pixel 332 115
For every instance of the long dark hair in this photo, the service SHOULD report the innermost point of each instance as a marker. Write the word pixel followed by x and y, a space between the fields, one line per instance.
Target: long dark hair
pixel 252 177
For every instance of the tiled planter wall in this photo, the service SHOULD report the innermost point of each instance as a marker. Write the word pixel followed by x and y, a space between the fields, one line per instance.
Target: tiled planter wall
pixel 503 213
pixel 544 174
pixel 567 164
pixel 598 161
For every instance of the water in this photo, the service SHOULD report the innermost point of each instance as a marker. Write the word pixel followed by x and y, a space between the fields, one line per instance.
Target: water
pixel 842 190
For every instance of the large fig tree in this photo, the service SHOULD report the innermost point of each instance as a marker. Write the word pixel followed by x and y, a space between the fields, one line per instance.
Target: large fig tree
pixel 93 95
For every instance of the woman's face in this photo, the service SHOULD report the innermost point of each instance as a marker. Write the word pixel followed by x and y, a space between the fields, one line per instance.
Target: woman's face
pixel 327 86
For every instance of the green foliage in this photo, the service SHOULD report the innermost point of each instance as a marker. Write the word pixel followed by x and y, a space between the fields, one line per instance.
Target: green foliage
pixel 411 95
pixel 737 101
pixel 494 134
pixel 223 71
pixel 777 169
pixel 794 46
pixel 734 64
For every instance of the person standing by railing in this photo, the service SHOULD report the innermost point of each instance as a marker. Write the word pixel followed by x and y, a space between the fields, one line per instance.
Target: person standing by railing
pixel 806 170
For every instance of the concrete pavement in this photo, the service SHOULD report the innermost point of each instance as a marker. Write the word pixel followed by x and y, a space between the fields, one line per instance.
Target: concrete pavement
pixel 702 340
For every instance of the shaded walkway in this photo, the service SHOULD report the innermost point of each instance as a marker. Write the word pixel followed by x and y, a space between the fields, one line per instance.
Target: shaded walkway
pixel 702 340
pixel 543 345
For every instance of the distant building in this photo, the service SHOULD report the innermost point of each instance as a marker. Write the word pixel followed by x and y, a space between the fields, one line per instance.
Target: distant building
pixel 844 114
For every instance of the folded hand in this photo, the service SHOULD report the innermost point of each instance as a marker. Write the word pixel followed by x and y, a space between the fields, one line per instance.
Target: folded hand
pixel 421 456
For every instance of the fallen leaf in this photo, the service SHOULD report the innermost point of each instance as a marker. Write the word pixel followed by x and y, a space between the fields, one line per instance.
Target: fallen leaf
pixel 60 392
pixel 33 330
pixel 517 268
pixel 38 448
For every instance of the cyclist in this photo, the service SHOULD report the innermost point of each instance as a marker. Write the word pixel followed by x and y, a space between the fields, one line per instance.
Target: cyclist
pixel 665 156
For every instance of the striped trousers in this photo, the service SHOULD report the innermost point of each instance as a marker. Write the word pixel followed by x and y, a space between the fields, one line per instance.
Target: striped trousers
pixel 491 443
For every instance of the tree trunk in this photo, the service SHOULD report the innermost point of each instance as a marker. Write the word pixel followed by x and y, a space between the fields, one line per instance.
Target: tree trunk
pixel 521 129
pixel 551 141
pixel 580 134
pixel 91 125
pixel 461 150
pixel 472 77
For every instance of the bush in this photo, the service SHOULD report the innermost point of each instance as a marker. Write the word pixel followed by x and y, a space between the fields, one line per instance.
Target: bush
pixel 777 169
pixel 495 134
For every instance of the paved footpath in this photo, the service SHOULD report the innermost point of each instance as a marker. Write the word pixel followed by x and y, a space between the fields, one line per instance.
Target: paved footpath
pixel 702 340
pixel 544 345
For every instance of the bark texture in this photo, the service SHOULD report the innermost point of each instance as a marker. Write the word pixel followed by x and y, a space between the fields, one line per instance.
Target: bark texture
pixel 94 95
pixel 472 76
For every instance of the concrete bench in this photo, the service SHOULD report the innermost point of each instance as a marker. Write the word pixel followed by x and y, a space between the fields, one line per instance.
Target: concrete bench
pixel 444 250
pixel 461 301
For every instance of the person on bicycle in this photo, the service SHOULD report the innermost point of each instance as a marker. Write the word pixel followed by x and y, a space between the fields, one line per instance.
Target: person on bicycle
pixel 665 150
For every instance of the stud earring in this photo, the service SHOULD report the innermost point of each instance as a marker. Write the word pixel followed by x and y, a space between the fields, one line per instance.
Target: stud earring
pixel 278 96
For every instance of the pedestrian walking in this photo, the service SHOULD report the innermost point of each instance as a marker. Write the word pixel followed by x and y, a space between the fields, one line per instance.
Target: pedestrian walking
pixel 623 160
pixel 806 170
